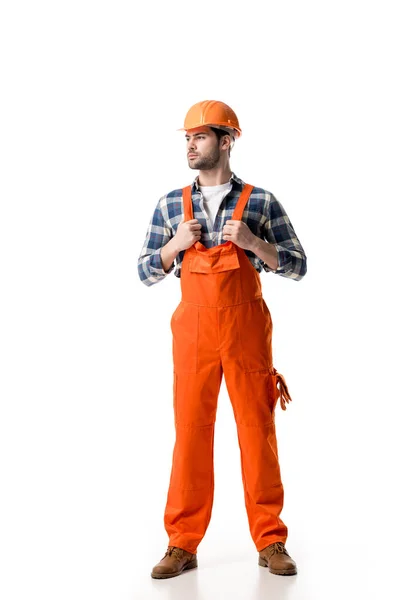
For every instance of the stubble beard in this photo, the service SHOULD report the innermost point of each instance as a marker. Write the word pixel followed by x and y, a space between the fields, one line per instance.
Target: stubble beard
pixel 206 163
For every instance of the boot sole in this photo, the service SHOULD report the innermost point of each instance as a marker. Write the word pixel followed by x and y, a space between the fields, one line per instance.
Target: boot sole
pixel 264 563
pixel 190 565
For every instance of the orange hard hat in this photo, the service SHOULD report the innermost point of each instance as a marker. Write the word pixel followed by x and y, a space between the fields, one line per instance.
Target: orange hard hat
pixel 212 113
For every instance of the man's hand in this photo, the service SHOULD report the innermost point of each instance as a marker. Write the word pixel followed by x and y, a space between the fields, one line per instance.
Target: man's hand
pixel 239 233
pixel 187 234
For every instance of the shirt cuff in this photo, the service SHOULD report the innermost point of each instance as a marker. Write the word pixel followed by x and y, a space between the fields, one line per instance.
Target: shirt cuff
pixel 284 260
pixel 156 264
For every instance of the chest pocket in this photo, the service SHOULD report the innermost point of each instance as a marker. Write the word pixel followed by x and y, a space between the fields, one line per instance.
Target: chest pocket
pixel 214 263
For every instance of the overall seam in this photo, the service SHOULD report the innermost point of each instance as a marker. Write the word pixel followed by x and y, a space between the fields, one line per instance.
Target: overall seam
pixel 224 305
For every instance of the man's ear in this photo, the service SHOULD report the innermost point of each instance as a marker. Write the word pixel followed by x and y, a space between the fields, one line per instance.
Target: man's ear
pixel 226 141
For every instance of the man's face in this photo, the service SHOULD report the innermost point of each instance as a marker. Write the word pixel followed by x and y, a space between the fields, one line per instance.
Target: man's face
pixel 202 146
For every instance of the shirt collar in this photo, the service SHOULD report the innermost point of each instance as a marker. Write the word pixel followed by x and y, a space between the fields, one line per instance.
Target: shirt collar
pixel 233 178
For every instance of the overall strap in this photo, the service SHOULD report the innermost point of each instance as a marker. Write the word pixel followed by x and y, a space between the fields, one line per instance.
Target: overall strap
pixel 187 203
pixel 242 201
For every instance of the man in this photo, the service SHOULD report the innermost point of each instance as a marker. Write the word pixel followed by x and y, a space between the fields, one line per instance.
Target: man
pixel 220 233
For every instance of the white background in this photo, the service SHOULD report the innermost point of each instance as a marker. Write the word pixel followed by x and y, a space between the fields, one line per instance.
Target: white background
pixel 92 94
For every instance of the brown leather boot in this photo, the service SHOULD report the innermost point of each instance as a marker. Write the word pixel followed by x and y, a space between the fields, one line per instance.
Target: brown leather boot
pixel 276 557
pixel 174 562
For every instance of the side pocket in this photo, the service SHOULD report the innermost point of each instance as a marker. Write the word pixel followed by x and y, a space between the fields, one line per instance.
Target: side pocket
pixel 185 334
pixel 175 398
pixel 254 326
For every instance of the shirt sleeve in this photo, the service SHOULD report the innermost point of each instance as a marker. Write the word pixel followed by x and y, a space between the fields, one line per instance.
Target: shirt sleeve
pixel 149 264
pixel 278 230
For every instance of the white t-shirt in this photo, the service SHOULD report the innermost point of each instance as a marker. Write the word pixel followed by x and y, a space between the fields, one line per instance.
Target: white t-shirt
pixel 213 196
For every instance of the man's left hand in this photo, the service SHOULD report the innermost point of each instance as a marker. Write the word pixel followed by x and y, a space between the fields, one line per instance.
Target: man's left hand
pixel 239 233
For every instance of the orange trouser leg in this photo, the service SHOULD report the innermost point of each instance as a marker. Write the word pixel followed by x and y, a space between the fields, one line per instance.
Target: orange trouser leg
pixel 191 489
pixel 253 401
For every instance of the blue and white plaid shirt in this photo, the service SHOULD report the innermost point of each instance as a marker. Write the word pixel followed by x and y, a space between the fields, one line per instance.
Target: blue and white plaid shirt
pixel 263 213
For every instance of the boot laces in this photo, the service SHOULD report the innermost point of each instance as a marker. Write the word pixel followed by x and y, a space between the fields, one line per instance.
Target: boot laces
pixel 175 551
pixel 278 547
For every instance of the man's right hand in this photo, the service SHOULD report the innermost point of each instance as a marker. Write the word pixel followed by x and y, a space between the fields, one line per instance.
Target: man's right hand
pixel 188 233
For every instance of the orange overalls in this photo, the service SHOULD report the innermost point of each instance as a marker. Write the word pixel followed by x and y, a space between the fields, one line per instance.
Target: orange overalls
pixel 223 325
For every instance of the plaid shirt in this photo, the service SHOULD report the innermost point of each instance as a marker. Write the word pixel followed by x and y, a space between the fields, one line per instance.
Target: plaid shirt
pixel 263 214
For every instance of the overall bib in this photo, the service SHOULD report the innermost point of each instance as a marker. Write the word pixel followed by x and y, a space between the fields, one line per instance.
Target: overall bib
pixel 222 325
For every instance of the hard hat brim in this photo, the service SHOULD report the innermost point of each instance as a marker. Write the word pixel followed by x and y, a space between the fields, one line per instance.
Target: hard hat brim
pixel 235 131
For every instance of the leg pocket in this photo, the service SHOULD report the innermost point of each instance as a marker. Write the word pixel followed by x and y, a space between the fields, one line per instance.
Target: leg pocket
pixel 255 330
pixel 272 391
pixel 281 390
pixel 185 335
